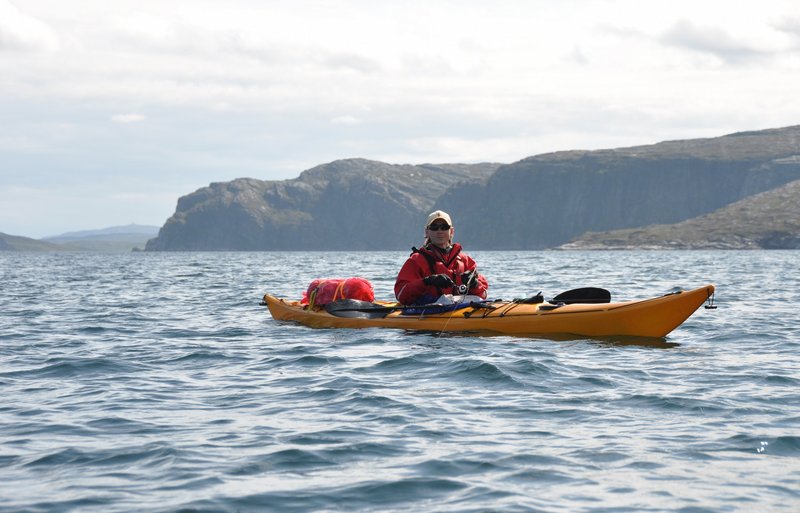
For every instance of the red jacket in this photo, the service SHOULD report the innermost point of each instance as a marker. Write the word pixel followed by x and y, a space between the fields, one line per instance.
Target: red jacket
pixel 409 287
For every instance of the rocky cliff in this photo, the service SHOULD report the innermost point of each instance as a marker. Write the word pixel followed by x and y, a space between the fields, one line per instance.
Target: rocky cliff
pixel 547 200
pixel 769 220
pixel 540 202
pixel 344 205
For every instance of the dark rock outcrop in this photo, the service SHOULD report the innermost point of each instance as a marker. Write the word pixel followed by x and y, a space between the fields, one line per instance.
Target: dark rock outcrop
pixel 769 220
pixel 344 205
pixel 549 199
pixel 539 202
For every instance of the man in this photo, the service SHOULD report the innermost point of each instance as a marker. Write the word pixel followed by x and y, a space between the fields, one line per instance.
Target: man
pixel 438 267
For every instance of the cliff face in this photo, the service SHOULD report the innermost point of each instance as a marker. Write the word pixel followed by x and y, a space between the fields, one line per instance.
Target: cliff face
pixel 546 200
pixel 345 205
pixel 539 202
pixel 769 220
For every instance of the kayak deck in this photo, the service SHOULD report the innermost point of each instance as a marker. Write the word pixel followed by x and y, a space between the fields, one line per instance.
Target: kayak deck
pixel 655 317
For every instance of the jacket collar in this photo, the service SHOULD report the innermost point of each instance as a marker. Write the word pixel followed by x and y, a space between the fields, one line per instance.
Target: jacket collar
pixel 446 256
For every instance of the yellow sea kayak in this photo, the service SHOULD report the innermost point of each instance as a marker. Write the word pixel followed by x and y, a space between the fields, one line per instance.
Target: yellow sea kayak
pixel 654 317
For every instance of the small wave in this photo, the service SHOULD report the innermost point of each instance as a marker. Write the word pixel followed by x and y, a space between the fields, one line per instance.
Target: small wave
pixel 45 427
pixel 122 426
pixel 597 381
pixel 326 437
pixel 673 403
pixel 358 451
pixel 222 335
pixel 781 381
pixel 202 356
pixel 540 475
pixel 529 367
pixel 187 483
pixel 63 457
pixel 290 460
pixel 91 330
pixel 769 446
pixel 645 465
pixel 479 371
pixel 454 467
pixel 312 361
pixel 305 391
pixel 600 457
pixel 81 504
pixel 398 492
pixel 402 364
pixel 76 367
pixel 401 494
pixel 152 455
pixel 528 460
pixel 7 461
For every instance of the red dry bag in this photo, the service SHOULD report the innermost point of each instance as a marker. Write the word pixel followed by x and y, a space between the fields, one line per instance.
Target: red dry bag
pixel 324 291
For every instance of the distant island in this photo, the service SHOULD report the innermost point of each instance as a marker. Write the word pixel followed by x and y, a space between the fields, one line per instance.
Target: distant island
pixel 547 201
pixel 114 239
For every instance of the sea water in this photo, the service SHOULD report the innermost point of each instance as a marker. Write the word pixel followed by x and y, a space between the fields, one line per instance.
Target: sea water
pixel 154 382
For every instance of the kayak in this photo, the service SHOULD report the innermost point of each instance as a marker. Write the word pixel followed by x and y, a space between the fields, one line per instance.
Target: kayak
pixel 654 317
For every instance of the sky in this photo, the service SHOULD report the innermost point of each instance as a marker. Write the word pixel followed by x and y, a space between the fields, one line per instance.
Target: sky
pixel 112 110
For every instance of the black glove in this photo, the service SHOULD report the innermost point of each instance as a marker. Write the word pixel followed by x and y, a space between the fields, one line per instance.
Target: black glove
pixel 442 281
pixel 470 279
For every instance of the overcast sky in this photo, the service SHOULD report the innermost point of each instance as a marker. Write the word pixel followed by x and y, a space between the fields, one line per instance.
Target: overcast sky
pixel 111 110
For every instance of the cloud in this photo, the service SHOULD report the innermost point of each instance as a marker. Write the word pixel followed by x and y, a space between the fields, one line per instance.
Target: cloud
pixel 345 120
pixel 577 56
pixel 711 41
pixel 127 118
pixel 789 26
pixel 349 61
pixel 19 143
pixel 232 43
pixel 267 89
pixel 79 205
pixel 19 31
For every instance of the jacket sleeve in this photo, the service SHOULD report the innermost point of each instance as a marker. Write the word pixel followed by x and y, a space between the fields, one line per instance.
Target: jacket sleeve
pixel 483 284
pixel 409 285
pixel 481 288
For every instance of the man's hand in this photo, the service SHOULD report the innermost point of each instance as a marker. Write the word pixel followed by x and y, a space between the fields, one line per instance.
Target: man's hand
pixel 470 279
pixel 442 281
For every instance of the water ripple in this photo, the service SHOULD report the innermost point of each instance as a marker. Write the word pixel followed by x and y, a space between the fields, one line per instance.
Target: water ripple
pixel 155 383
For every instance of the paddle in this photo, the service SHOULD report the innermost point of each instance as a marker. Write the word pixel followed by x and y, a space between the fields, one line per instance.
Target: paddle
pixel 583 295
pixel 355 308
pixel 360 309
pixel 468 279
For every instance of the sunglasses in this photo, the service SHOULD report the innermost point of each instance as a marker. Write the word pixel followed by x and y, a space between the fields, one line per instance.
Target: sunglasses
pixel 438 227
